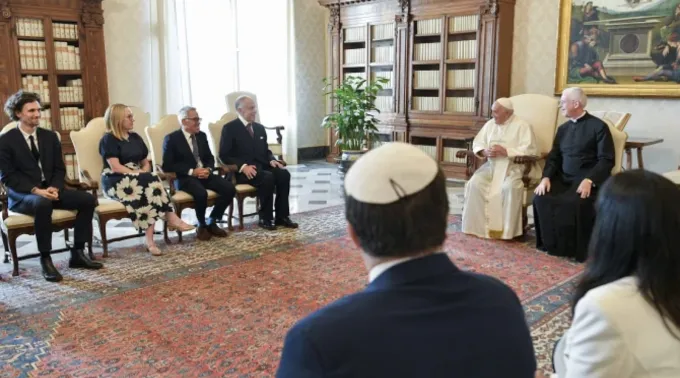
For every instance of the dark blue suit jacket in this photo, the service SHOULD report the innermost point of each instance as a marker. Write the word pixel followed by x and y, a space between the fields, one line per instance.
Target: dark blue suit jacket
pixel 238 147
pixel 421 318
pixel 177 155
pixel 18 169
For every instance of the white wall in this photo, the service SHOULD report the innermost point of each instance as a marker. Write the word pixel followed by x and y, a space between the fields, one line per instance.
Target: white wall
pixel 533 71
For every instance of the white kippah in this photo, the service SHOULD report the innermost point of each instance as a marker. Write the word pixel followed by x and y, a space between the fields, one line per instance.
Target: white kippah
pixel 390 172
pixel 505 102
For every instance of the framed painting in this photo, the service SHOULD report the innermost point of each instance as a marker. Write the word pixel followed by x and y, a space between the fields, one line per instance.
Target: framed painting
pixel 627 48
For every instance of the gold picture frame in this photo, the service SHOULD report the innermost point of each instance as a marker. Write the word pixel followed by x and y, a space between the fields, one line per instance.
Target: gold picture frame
pixel 626 46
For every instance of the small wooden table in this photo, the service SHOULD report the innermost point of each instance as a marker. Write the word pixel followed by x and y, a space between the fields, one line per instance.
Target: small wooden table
pixel 638 144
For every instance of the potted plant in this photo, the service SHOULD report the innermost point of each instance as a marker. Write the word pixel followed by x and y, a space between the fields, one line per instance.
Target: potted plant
pixel 354 120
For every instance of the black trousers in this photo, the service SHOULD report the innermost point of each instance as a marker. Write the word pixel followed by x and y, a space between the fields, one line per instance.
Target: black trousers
pixel 269 181
pixel 41 209
pixel 564 221
pixel 198 189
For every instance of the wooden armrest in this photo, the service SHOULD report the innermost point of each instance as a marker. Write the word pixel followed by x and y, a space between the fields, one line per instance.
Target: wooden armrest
pixel 466 154
pixel 525 159
pixel 3 200
pixel 80 185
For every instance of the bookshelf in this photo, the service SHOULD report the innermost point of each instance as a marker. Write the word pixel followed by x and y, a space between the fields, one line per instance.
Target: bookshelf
pixel 55 48
pixel 450 59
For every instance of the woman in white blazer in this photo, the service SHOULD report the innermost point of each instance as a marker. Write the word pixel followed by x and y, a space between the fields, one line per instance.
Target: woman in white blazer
pixel 626 308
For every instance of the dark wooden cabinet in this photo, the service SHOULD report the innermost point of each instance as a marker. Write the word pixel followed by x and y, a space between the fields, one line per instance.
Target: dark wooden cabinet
pixel 448 60
pixel 56 48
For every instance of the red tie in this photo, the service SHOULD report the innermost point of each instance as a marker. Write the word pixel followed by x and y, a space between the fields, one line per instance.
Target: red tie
pixel 249 127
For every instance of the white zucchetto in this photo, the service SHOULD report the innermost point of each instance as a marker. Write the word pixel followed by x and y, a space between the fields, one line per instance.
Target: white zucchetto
pixel 505 102
pixel 390 172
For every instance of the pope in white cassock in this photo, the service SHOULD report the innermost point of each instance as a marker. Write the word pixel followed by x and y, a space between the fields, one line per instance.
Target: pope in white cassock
pixel 494 194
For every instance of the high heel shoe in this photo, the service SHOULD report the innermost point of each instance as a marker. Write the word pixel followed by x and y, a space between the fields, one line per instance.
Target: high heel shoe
pixel 183 227
pixel 154 250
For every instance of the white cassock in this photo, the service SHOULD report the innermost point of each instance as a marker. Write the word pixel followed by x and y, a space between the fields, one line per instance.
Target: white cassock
pixel 495 193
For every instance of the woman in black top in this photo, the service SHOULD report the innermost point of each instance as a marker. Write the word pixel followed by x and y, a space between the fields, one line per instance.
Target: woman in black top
pixel 127 176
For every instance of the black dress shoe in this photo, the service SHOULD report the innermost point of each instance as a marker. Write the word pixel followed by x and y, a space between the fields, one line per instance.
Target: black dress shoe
pixel 215 230
pixel 286 222
pixel 267 225
pixel 50 273
pixel 80 260
pixel 203 233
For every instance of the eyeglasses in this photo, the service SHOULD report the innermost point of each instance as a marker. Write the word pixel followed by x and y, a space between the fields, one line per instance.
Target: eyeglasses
pixel 195 119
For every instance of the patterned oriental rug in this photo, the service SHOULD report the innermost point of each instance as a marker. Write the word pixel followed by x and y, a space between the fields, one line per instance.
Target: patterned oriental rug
pixel 223 307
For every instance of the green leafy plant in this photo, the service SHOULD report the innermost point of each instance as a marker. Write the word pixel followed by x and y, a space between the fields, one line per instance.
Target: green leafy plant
pixel 354 118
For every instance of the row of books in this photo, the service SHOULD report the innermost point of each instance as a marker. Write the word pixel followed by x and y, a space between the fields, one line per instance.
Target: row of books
pixel 65 31
pixel 383 54
pixel 460 104
pixel 72 92
pixel 384 31
pixel 426 104
pixel 460 79
pixel 357 34
pixel 30 27
pixel 462 49
pixel 426 79
pixel 71 118
pixel 68 56
pixel 460 24
pixel 430 150
pixel 72 169
pixel 389 75
pixel 384 104
pixel 428 27
pixel 355 56
pixel 427 51
pixel 37 85
pixel 32 55
pixel 449 155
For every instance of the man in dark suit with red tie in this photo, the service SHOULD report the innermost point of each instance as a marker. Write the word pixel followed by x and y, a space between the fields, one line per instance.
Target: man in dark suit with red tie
pixel 244 143
pixel 186 153
pixel 32 169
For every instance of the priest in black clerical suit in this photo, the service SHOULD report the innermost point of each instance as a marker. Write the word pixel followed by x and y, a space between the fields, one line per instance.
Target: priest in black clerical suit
pixel 581 160
pixel 186 153
pixel 244 144
pixel 32 169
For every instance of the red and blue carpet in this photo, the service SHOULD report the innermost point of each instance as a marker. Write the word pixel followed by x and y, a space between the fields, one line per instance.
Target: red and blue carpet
pixel 223 307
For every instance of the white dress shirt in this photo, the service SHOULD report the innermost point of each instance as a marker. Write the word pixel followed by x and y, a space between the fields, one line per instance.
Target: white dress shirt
pixel 187 136
pixel 383 267
pixel 34 134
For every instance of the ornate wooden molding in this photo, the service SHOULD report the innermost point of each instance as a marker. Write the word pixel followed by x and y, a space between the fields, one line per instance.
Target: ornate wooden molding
pixel 491 7
pixel 334 20
pixel 404 8
pixel 92 13
pixel 5 10
pixel 328 3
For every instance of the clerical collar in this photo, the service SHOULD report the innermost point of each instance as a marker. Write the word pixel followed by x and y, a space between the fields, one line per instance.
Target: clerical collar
pixel 579 117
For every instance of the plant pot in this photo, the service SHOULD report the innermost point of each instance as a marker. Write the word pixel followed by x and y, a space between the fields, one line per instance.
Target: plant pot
pixel 347 159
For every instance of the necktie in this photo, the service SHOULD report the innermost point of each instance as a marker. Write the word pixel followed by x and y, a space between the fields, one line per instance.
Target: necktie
pixel 34 149
pixel 249 127
pixel 194 144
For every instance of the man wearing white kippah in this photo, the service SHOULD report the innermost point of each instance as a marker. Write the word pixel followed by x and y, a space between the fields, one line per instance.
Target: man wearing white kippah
pixel 495 193
pixel 420 316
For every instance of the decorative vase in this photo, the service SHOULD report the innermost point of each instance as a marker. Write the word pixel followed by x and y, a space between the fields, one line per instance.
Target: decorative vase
pixel 347 159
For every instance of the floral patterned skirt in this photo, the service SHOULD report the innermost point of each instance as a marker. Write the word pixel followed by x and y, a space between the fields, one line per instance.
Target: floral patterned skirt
pixel 143 195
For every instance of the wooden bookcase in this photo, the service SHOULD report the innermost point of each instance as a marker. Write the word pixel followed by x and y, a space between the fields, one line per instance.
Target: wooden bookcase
pixel 55 48
pixel 448 60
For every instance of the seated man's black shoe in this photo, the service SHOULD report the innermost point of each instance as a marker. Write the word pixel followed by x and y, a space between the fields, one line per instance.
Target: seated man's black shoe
pixel 50 273
pixel 286 222
pixel 267 225
pixel 215 230
pixel 80 260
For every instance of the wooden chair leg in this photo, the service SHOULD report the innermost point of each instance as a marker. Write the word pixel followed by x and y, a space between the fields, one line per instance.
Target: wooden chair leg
pixel 105 242
pixel 13 251
pixel 178 211
pixel 66 235
pixel 239 200
pixel 525 219
pixel 4 243
pixel 231 216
